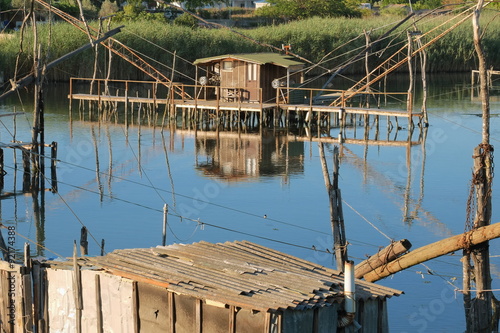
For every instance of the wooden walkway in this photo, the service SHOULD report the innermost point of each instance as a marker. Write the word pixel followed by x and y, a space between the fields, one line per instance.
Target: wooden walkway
pixel 243 106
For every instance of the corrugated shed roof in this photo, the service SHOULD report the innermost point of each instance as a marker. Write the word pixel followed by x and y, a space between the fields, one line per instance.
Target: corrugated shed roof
pixel 238 273
pixel 257 58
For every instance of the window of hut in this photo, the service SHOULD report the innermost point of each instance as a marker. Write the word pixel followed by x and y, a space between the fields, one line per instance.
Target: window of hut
pixel 227 65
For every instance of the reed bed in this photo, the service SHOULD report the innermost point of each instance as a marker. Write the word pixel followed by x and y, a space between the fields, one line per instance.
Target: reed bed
pixel 312 39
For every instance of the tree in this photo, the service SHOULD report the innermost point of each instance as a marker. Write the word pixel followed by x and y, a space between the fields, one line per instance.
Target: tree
pixel 107 8
pixel 301 9
pixel 5 5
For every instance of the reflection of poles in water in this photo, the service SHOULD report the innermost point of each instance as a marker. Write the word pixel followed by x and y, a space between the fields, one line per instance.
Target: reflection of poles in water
pixel 418 205
pixel 165 151
pixel 97 168
pixel 336 214
pixel 389 186
pixel 39 216
pixel 110 165
pixel 139 151
pixel 406 218
pixel 365 164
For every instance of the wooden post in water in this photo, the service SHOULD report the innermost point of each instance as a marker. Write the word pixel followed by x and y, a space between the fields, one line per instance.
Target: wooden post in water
pixel 409 97
pixel 164 234
pixel 53 169
pixel 479 310
pixel 84 244
pixel 102 246
pixel 336 214
pixel 367 66
pixel 26 170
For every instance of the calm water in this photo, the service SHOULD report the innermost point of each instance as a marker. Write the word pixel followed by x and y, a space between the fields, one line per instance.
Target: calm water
pixel 229 185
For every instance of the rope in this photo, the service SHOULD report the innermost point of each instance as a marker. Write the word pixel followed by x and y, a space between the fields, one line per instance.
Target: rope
pixel 370 223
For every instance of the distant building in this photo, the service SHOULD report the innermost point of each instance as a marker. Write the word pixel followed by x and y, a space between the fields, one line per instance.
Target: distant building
pixel 261 3
pixel 365 5
pixel 234 3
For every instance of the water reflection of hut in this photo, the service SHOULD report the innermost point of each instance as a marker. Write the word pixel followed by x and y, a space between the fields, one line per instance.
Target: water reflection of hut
pixel 234 156
pixel 248 77
pixel 201 287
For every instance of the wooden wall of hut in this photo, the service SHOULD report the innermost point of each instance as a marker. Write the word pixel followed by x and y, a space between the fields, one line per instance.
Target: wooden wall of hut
pixel 111 303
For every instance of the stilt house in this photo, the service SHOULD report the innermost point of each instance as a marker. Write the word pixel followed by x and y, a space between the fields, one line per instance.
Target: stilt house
pixel 249 77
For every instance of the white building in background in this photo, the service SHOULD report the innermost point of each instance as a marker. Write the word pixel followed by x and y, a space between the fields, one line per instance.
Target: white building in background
pixel 243 3
pixel 261 3
pixel 233 3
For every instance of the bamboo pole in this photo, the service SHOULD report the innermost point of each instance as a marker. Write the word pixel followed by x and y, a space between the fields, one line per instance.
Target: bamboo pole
pixel 435 250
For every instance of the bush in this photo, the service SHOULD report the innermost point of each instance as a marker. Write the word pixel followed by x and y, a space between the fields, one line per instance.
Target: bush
pixel 108 8
pixel 186 20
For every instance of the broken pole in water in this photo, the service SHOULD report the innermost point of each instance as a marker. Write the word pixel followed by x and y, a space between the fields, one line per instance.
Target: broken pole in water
pixel 389 253
pixel 84 244
pixel 434 250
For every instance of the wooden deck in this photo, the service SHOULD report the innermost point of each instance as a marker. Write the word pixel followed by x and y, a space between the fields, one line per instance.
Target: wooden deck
pixel 243 106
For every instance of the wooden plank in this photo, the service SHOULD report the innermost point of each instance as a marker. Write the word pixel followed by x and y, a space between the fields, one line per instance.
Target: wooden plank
pixel 26 294
pixel 135 307
pixel 98 304
pixel 77 290
pixel 153 307
pixel 232 319
pixel 198 318
pixel 171 312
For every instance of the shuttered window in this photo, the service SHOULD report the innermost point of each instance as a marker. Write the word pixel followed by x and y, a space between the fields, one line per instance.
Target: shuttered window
pixel 252 72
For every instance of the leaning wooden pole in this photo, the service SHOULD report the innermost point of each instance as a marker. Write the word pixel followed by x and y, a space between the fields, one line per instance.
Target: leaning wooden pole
pixel 435 250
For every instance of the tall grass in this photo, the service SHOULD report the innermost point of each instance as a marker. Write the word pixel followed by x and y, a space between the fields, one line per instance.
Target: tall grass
pixel 312 39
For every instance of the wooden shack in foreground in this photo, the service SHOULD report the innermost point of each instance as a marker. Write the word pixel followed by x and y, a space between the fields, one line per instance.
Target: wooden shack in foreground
pixel 201 287
pixel 249 77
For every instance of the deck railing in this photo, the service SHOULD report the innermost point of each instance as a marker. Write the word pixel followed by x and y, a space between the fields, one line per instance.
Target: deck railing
pixel 284 95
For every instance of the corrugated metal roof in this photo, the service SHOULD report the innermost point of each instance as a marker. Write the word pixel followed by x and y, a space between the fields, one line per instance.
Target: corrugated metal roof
pixel 257 58
pixel 238 273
